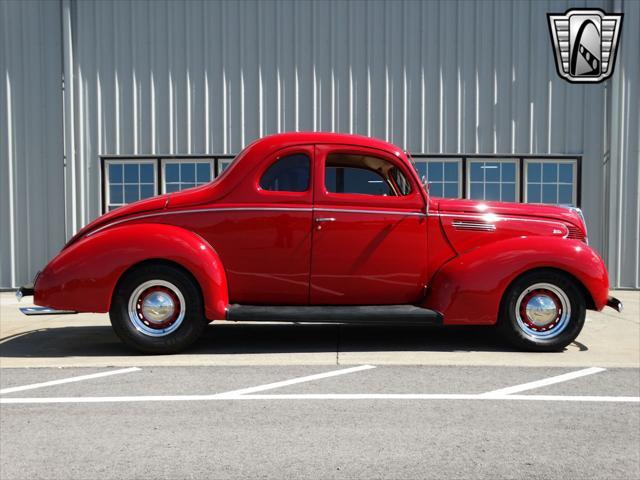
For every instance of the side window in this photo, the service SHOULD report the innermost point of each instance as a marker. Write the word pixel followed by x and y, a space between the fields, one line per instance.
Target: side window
pixel 365 175
pixel 287 174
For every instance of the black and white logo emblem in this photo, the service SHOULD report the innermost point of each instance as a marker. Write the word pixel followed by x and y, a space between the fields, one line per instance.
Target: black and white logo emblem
pixel 585 43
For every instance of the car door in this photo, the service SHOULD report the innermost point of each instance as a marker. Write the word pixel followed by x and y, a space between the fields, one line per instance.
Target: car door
pixel 262 230
pixel 369 242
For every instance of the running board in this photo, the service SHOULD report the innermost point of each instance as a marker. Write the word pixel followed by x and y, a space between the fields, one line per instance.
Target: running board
pixel 356 314
pixel 45 311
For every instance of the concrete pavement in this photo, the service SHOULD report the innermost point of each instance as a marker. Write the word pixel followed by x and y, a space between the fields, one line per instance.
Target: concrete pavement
pixel 268 401
pixel 609 339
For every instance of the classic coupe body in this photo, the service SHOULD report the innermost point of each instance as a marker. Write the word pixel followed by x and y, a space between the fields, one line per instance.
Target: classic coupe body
pixel 319 227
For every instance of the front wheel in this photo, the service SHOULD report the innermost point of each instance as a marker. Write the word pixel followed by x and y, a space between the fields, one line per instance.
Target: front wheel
pixel 157 308
pixel 542 311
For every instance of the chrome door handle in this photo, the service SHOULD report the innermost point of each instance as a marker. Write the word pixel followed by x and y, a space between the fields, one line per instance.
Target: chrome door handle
pixel 320 220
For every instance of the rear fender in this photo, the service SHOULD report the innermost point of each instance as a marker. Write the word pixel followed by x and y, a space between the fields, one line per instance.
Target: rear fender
pixel 469 288
pixel 83 276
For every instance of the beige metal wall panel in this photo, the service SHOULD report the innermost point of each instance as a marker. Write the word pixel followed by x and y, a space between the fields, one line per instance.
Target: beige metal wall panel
pixel 206 77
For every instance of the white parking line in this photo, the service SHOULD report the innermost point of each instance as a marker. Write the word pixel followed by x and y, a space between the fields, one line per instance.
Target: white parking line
pixel 250 392
pixel 322 396
pixel 68 380
pixel 293 381
pixel 544 382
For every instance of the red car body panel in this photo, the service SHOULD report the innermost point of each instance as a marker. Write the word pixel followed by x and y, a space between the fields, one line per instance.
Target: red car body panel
pixel 84 276
pixel 246 245
pixel 356 258
pixel 469 288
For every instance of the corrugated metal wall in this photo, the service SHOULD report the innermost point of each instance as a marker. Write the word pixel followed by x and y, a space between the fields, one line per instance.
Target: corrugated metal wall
pixel 32 207
pixel 198 77
pixel 623 156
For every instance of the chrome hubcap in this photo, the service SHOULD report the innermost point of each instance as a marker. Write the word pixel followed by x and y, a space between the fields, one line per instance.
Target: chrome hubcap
pixel 156 308
pixel 543 311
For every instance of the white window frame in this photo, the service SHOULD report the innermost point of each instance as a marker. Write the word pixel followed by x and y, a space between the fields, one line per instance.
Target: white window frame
pixel 514 160
pixel 223 161
pixel 557 161
pixel 164 161
pixel 457 160
pixel 126 161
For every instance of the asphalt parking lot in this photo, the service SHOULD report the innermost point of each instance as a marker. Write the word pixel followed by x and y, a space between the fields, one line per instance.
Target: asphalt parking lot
pixel 319 401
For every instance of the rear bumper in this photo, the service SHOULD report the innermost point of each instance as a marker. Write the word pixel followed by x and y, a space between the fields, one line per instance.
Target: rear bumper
pixel 28 291
pixel 615 304
pixel 25 291
pixel 45 311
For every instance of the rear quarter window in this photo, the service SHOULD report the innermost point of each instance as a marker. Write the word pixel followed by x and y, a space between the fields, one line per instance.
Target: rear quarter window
pixel 287 174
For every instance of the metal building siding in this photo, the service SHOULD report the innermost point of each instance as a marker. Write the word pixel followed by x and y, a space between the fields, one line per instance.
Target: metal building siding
pixel 209 77
pixel 204 77
pixel 32 213
pixel 623 159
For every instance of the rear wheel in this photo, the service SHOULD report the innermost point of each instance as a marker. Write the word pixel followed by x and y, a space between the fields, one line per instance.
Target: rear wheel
pixel 157 309
pixel 542 311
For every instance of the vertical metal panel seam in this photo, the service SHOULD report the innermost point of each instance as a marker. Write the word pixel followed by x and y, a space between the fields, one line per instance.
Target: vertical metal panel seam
pixel 10 157
pixel 68 116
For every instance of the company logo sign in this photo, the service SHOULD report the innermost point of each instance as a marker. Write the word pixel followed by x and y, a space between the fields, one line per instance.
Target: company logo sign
pixel 585 44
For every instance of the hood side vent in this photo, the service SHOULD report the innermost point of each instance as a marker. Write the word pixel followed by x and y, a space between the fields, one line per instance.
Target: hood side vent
pixel 473 225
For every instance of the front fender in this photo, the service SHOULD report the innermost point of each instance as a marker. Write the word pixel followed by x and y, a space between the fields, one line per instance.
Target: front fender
pixel 469 288
pixel 84 275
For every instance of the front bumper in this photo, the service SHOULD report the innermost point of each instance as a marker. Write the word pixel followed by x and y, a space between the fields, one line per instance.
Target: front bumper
pixel 615 304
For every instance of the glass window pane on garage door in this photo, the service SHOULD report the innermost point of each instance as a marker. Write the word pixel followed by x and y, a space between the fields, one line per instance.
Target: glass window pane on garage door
pixel 180 174
pixel 551 181
pixel 493 179
pixel 129 181
pixel 443 175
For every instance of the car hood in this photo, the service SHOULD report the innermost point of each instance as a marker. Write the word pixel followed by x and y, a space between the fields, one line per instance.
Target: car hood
pixel 511 209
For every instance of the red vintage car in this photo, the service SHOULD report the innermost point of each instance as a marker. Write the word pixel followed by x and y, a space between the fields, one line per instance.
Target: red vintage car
pixel 320 227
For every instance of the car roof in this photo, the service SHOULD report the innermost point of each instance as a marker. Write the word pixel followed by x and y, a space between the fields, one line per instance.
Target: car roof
pixel 270 143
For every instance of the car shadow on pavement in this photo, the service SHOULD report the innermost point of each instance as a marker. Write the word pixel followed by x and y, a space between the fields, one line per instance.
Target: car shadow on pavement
pixel 91 341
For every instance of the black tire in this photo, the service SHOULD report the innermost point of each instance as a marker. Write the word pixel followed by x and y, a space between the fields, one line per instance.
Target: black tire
pixel 190 327
pixel 521 333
